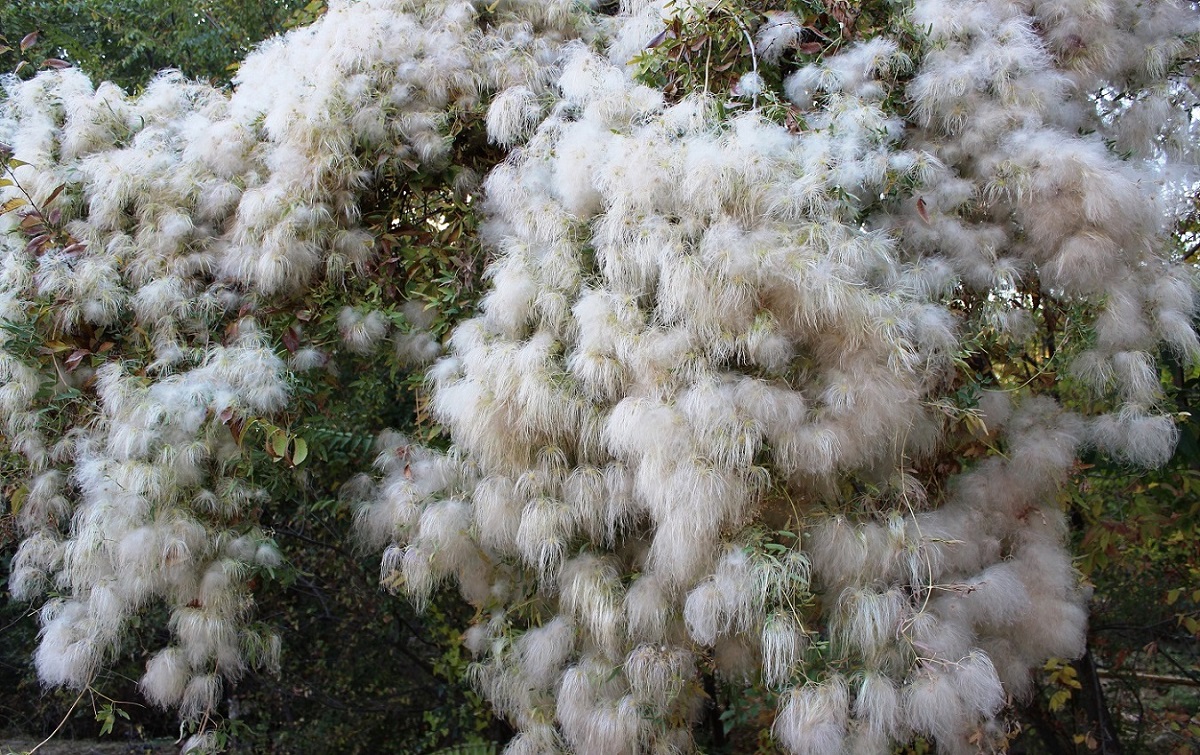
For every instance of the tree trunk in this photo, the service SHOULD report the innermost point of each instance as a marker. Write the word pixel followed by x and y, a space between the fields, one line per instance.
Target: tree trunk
pixel 1095 708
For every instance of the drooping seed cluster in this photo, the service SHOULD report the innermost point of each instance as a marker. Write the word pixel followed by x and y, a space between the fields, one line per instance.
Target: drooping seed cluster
pixel 699 424
pixel 703 329
pixel 132 340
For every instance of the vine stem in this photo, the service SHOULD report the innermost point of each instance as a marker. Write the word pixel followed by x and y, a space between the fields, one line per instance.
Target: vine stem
pixel 62 722
pixel 753 55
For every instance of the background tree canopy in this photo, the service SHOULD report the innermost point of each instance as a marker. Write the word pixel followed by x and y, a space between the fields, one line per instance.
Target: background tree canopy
pixel 766 376
pixel 129 41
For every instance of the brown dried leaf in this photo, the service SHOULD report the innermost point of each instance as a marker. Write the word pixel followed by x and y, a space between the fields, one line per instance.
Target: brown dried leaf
pixel 843 12
pixel 291 340
pixel 54 194
pixel 72 362
pixel 36 243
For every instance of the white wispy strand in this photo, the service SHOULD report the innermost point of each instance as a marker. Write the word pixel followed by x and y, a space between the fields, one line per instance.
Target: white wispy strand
pixel 812 719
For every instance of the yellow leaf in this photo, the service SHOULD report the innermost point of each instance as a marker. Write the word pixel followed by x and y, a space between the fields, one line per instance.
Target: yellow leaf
pixel 18 499
pixel 12 204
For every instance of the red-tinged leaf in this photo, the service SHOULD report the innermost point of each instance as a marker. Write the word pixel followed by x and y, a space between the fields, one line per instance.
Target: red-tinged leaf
pixel 810 48
pixel 75 248
pixel 1122 655
pixel 304 315
pixel 73 361
pixel 291 340
pixel 54 194
pixel 408 474
pixel 36 243
pixel 5 149
pixel 29 40
pixel 226 415
pixel 105 347
pixel 843 12
pixel 658 40
pixel 55 63
pixel 922 210
pixel 237 428
pixel 812 31
pixel 20 66
pixel 794 121
pixel 55 216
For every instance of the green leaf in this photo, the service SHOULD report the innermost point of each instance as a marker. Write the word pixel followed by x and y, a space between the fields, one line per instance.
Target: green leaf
pixel 300 451
pixel 277 441
pixel 18 499
pixel 106 716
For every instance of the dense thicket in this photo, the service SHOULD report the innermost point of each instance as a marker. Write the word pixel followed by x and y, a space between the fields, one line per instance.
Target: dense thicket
pixel 798 321
pixel 129 41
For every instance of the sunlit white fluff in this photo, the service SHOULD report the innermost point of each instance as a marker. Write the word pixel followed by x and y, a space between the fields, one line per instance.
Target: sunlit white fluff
pixel 783 642
pixel 812 718
pixel 697 335
pixel 590 594
pixel 166 678
pixel 361 332
pixel 1136 436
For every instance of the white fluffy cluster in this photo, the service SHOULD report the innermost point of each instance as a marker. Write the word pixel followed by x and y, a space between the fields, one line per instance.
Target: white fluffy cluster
pixel 150 522
pixel 702 329
pixel 1021 108
pixel 192 207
